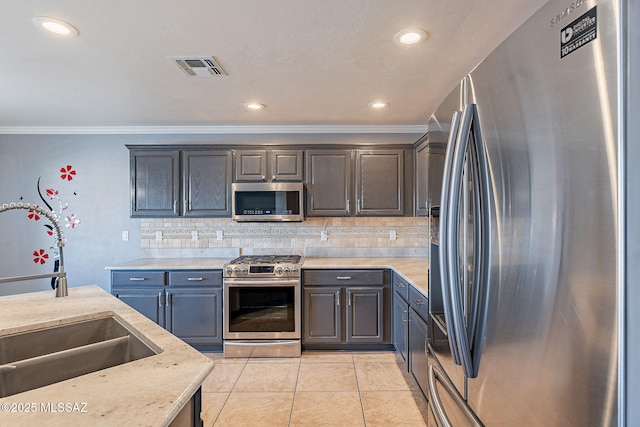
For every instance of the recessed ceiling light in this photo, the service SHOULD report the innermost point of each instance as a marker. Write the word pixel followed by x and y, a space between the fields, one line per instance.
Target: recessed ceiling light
pixel 378 105
pixel 410 37
pixel 55 26
pixel 254 106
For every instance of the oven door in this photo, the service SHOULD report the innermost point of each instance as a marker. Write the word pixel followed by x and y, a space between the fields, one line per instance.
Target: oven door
pixel 259 309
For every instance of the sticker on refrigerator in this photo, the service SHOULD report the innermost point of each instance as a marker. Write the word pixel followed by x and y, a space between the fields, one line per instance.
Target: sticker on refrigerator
pixel 579 33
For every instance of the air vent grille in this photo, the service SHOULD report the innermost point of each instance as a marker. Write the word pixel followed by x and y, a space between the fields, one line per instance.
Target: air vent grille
pixel 194 66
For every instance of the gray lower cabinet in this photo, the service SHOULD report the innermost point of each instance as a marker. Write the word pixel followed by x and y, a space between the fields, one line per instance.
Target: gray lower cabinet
pixel 346 309
pixel 411 328
pixel 401 326
pixel 418 337
pixel 186 303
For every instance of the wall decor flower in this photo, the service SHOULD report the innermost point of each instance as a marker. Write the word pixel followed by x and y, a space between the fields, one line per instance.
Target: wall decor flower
pixel 51 196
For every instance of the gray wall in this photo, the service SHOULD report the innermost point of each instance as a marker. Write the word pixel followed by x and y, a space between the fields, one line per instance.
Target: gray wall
pixel 101 202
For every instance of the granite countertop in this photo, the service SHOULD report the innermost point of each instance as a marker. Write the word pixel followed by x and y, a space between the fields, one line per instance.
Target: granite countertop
pixel 172 264
pixel 149 391
pixel 414 270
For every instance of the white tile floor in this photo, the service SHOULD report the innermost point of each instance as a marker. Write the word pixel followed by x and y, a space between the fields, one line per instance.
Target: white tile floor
pixel 317 389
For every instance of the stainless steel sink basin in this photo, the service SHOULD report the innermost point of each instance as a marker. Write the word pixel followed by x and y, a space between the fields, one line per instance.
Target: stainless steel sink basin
pixel 46 356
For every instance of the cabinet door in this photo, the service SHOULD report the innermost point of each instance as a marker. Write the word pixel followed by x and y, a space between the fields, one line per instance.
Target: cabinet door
pixel 155 183
pixel 365 315
pixel 380 182
pixel 148 302
pixel 428 176
pixel 195 315
pixel 322 321
pixel 400 325
pixel 285 165
pixel 418 336
pixel 251 165
pixel 207 183
pixel 328 181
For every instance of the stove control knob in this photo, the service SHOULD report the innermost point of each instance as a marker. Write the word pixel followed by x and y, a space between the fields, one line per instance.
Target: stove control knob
pixel 287 270
pixel 278 270
pixel 229 270
pixel 236 270
pixel 244 270
pixel 294 270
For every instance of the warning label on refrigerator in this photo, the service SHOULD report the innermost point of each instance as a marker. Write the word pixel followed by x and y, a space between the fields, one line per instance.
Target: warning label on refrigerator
pixel 579 33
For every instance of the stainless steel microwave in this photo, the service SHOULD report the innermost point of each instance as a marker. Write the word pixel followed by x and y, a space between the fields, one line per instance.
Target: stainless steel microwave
pixel 267 201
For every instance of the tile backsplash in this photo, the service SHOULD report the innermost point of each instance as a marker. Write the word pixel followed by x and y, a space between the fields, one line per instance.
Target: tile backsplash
pixel 380 236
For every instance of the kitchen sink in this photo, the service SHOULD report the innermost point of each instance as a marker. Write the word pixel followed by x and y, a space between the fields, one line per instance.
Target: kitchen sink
pixel 46 356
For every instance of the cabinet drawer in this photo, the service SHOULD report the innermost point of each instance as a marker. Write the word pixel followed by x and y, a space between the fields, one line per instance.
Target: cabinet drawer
pixel 418 302
pixel 137 277
pixel 344 277
pixel 195 278
pixel 400 286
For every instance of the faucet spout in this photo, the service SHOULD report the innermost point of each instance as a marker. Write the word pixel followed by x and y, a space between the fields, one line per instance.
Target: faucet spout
pixel 61 289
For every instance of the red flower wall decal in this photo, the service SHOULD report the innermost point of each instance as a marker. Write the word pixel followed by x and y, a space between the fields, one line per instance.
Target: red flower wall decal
pixel 33 215
pixel 67 173
pixel 40 256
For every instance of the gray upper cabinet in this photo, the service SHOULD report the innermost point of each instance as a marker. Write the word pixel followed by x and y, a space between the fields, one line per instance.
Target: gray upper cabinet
pixel 172 183
pixel 251 165
pixel 429 158
pixel 207 183
pixel 328 181
pixel 268 165
pixel 286 165
pixel 380 182
pixel 155 183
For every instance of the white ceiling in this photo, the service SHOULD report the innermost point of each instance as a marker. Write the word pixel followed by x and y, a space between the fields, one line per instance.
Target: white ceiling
pixel 315 64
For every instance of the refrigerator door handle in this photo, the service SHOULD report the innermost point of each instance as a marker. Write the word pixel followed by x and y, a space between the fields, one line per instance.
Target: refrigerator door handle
pixel 435 375
pixel 445 223
pixel 460 330
pixel 482 247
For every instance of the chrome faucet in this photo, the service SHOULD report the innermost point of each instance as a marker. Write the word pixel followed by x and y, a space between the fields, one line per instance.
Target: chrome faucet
pixel 61 289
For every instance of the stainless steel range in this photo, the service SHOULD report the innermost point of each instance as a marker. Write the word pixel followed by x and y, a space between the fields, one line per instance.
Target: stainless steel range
pixel 262 300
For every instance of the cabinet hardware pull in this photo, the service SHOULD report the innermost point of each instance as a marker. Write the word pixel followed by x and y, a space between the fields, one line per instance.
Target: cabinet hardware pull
pixel 175 207
pixel 346 208
pixel 350 297
pixel 338 301
pixel 400 285
pixel 169 298
pixel 197 279
pixel 343 277
pixel 418 302
pixel 134 279
pixel 264 178
pixel 159 299
pixel 273 177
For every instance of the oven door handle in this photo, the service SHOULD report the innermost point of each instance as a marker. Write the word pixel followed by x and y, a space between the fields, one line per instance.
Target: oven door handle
pixel 258 282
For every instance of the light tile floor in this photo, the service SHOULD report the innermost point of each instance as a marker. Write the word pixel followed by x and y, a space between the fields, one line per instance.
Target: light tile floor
pixel 317 389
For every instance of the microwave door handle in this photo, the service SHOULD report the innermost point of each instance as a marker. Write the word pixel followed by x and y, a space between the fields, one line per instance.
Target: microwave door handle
pixel 445 224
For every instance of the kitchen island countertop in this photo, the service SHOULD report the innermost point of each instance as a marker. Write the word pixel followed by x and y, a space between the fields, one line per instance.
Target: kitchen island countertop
pixel 148 391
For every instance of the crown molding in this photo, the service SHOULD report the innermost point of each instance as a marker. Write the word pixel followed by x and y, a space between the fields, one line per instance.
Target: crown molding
pixel 212 130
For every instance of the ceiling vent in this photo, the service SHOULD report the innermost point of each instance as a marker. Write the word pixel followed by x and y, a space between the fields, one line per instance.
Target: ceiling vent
pixel 198 65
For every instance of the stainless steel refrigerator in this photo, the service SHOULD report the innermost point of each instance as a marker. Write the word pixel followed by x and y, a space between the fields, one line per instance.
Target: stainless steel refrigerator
pixel 525 322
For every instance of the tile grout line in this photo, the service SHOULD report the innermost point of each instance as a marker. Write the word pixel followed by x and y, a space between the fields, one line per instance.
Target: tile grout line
pixel 295 391
pixel 231 391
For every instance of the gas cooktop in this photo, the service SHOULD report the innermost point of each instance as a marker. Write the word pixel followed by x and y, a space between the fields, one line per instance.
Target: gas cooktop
pixel 267 259
pixel 264 266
